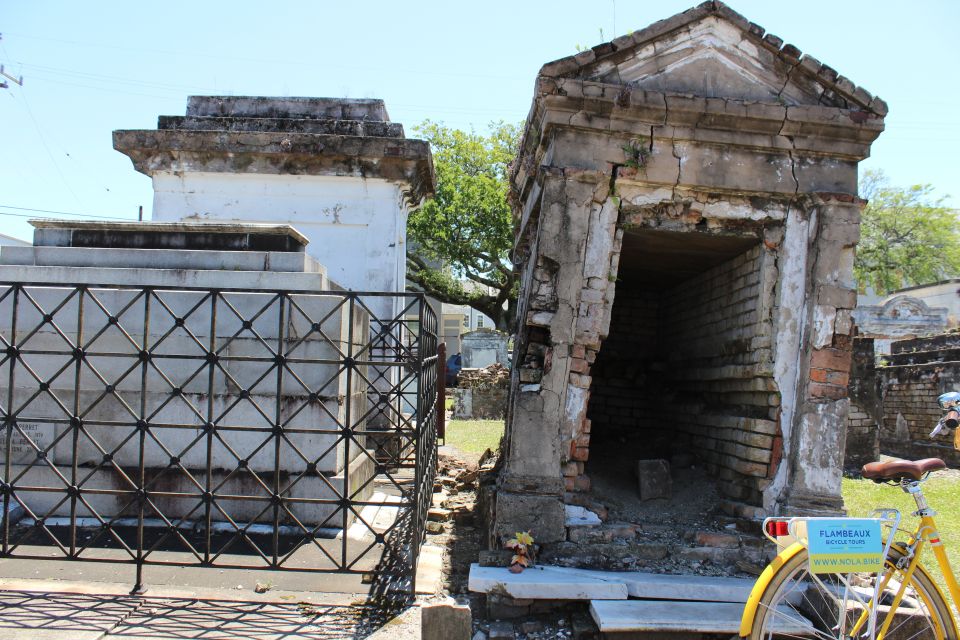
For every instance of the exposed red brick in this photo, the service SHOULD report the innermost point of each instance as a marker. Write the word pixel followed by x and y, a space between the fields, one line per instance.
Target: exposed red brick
pixel 581 454
pixel 842 342
pixel 578 351
pixel 833 359
pixel 716 539
pixel 833 392
pixel 839 378
pixel 568 484
pixel 776 455
pixel 578 365
pixel 580 380
pixel 819 375
pixel 582 483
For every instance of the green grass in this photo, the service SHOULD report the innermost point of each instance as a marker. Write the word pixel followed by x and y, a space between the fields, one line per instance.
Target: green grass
pixel 943 496
pixel 474 436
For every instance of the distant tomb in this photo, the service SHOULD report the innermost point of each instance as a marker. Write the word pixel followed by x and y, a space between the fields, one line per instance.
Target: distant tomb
pixel 484 347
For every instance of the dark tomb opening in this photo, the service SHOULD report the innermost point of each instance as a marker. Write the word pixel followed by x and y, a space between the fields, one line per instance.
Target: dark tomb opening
pixel 685 374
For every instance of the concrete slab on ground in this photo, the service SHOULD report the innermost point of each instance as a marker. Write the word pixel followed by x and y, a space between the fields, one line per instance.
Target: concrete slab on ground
pixel 405 626
pixel 662 586
pixel 429 569
pixel 544 583
pixel 646 616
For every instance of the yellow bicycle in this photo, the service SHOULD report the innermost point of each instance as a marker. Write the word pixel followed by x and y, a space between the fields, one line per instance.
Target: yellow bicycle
pixel 899 602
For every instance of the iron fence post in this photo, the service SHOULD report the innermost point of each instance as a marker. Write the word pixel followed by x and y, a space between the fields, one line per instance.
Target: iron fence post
pixel 10 419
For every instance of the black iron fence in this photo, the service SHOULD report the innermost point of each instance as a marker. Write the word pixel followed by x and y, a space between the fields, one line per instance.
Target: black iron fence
pixel 283 430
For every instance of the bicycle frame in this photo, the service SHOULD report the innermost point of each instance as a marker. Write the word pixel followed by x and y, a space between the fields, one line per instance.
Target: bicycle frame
pixel 926 533
pixel 928 528
pixel 929 533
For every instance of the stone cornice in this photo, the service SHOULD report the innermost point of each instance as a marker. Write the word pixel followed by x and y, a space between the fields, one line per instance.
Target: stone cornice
pixel 204 227
pixel 401 160
pixel 628 112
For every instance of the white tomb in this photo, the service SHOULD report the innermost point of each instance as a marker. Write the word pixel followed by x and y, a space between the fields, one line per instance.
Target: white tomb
pixel 337 169
pixel 213 392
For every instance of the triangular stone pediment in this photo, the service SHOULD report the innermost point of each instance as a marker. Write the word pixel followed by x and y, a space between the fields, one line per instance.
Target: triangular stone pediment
pixel 712 52
pixel 710 58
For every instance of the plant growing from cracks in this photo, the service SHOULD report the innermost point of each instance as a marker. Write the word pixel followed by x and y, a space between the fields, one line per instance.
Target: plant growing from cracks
pixel 637 153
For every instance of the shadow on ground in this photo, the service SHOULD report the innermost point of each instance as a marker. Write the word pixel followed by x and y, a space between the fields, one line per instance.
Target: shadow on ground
pixel 80 616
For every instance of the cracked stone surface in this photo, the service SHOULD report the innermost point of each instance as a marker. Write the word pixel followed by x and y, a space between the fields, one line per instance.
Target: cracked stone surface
pixel 728 237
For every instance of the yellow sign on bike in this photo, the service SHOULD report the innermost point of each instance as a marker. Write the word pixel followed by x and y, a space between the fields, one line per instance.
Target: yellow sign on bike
pixel 844 545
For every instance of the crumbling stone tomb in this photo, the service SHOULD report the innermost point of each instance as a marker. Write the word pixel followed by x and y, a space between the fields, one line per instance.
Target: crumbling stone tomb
pixel 686 207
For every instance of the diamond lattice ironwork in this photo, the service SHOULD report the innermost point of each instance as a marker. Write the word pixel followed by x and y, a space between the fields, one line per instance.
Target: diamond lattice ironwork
pixel 286 430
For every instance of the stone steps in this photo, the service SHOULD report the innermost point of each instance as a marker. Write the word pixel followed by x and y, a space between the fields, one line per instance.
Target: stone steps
pixel 659 616
pixel 661 586
pixel 633 601
pixel 545 583
pixel 619 555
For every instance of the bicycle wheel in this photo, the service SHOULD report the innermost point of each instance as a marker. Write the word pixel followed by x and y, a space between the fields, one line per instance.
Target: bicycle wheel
pixel 798 604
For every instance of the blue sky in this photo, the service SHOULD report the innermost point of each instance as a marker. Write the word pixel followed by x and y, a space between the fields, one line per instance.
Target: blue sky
pixel 90 68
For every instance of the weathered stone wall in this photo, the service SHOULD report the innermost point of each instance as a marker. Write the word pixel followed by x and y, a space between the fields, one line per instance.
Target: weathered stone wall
pixel 863 430
pixel 479 404
pixel 688 370
pixel 911 412
pixel 719 364
pixel 916 372
pixel 863 441
pixel 622 396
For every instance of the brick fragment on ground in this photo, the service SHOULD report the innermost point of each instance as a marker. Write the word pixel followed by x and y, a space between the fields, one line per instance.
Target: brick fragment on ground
pixel 654 479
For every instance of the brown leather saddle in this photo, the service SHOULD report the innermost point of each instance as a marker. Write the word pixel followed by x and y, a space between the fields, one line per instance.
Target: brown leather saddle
pixel 900 469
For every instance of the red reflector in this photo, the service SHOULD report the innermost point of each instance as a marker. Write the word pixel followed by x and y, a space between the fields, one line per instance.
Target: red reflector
pixel 777 528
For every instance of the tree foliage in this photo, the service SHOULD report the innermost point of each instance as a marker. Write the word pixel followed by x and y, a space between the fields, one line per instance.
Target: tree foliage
pixel 906 237
pixel 465 232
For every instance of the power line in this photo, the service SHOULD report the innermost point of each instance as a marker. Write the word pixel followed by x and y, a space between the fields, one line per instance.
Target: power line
pixel 60 213
pixel 43 140
pixel 14 79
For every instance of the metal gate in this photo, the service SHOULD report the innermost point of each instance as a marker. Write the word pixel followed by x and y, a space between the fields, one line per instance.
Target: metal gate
pixel 284 430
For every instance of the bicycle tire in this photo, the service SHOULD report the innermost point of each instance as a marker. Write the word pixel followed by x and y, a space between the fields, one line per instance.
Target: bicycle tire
pixel 922 615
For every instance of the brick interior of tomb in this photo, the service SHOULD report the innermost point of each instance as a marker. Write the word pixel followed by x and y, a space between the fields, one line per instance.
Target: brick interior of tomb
pixel 684 373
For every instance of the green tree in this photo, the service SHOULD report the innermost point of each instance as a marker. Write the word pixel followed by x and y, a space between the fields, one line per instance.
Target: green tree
pixel 459 241
pixel 906 237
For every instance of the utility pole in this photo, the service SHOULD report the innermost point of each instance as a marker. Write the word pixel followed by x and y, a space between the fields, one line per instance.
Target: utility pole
pixel 3 74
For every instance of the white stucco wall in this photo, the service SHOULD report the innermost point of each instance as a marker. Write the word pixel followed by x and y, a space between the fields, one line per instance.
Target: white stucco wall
pixel 357 227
